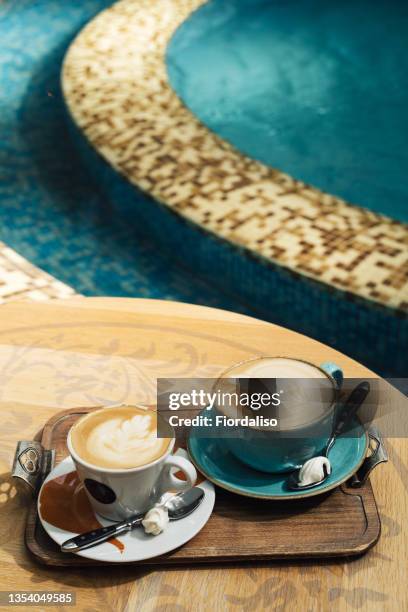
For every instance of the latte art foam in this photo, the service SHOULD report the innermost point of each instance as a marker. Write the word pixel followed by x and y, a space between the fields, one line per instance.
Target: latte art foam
pixel 124 437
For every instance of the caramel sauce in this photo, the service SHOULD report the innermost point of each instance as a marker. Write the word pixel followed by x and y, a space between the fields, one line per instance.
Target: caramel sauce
pixel 65 505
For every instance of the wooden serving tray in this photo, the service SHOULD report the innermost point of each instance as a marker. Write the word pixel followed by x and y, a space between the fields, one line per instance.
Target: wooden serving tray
pixel 343 522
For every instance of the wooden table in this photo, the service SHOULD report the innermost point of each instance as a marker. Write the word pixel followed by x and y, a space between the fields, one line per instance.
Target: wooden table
pixel 87 351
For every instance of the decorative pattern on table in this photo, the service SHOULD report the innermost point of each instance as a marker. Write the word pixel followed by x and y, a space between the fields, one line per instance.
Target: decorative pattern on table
pixel 21 279
pixel 68 377
pixel 116 87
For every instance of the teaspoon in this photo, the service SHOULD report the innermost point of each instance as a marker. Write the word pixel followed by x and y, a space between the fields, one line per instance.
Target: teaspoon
pixel 347 413
pixel 179 506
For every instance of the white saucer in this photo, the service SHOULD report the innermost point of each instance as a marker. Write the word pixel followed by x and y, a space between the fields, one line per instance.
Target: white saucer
pixel 138 546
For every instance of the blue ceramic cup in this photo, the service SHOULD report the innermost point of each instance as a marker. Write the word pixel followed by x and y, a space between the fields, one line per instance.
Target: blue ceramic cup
pixel 288 445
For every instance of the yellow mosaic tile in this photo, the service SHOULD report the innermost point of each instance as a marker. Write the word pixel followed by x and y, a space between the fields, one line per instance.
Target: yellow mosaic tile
pixel 19 279
pixel 116 88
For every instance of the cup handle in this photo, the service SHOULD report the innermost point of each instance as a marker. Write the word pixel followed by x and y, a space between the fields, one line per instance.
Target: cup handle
pixel 171 482
pixel 334 371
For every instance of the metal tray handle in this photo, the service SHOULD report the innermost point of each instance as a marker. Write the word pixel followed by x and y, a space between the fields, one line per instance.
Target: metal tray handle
pixel 378 455
pixel 31 464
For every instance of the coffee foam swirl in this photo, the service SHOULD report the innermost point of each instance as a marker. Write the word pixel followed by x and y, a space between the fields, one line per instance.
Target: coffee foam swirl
pixel 119 438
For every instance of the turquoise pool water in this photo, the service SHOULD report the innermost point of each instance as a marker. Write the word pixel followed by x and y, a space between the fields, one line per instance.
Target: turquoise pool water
pixel 317 89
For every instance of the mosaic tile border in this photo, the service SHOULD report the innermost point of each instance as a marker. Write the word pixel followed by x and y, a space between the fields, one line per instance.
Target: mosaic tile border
pixel 116 88
pixel 19 279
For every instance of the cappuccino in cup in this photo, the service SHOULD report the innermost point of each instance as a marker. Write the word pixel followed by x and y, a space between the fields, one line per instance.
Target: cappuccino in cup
pixel 124 466
pixel 304 414
pixel 119 438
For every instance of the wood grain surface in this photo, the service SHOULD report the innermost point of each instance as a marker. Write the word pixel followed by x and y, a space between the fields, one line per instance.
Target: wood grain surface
pixel 87 351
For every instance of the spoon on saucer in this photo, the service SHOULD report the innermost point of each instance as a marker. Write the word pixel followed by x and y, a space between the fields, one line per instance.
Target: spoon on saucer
pixel 322 464
pixel 179 506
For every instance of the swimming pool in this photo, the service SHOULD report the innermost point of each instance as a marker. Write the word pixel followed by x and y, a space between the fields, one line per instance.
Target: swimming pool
pixel 296 255
pixel 104 235
pixel 316 89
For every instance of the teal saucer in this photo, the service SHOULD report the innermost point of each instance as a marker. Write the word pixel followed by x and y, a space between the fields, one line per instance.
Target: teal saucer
pixel 223 469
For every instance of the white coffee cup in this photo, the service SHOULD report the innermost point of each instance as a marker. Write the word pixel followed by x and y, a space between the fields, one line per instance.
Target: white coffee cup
pixel 117 493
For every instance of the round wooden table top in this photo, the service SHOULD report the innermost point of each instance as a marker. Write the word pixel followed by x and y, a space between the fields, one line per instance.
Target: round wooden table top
pixel 89 351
